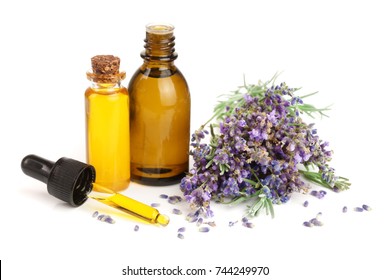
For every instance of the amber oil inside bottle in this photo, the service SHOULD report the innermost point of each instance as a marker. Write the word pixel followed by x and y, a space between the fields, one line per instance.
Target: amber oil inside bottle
pixel 159 113
pixel 107 130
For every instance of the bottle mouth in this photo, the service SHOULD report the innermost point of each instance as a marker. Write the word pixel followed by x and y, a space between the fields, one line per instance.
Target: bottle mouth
pixel 159 28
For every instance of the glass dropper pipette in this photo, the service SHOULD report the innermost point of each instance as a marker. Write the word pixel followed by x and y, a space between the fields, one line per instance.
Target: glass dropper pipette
pixel 72 181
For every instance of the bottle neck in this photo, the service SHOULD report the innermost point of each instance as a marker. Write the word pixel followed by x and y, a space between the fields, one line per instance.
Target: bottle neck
pixel 104 81
pixel 107 86
pixel 159 45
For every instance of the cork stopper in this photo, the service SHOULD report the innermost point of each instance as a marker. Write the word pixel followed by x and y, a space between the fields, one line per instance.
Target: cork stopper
pixel 105 69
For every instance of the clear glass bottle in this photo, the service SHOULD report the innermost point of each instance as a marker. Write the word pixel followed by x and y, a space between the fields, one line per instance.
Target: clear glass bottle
pixel 107 123
pixel 159 112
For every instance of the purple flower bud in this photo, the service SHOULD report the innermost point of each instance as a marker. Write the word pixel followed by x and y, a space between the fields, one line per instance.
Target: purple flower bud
pixel 358 209
pixel 163 196
pixel 319 194
pixel 306 203
pixel 172 200
pixel 345 209
pixel 106 218
pixel 366 207
pixel 193 216
pixel 249 225
pixel 316 222
pixel 232 223
pixel 101 217
pixel 176 211
pixel 109 220
pixel 182 229
pixel 204 229
pixel 95 214
pixel 192 219
pixel 307 224
pixel 136 227
pixel 180 236
pixel 314 193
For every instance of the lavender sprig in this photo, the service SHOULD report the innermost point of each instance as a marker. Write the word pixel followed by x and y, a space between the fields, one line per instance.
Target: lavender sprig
pixel 256 154
pixel 234 100
pixel 334 183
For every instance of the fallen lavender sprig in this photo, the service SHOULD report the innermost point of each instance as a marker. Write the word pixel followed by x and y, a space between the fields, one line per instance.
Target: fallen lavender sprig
pixel 257 150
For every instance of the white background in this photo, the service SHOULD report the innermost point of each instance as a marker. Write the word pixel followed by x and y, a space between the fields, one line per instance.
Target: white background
pixel 339 48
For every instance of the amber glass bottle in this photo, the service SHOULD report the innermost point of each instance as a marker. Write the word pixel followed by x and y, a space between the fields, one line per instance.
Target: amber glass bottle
pixel 159 112
pixel 107 123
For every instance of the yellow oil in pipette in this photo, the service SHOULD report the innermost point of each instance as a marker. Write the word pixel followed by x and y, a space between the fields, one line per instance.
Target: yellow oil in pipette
pixel 128 205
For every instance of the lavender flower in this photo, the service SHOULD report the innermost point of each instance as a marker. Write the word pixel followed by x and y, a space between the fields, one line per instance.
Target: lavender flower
pixel 261 143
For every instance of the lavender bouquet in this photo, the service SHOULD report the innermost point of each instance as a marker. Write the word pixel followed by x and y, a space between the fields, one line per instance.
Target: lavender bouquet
pixel 259 150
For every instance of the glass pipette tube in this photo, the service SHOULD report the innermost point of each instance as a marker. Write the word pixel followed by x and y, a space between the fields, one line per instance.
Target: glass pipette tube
pixel 128 205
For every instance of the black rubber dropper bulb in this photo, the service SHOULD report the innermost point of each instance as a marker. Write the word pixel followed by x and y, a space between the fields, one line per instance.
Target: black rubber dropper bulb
pixel 67 179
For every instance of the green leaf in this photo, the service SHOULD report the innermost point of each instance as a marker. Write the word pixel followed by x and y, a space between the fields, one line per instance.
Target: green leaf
pixel 308 95
pixel 261 203
pixel 253 183
pixel 209 163
pixel 270 207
